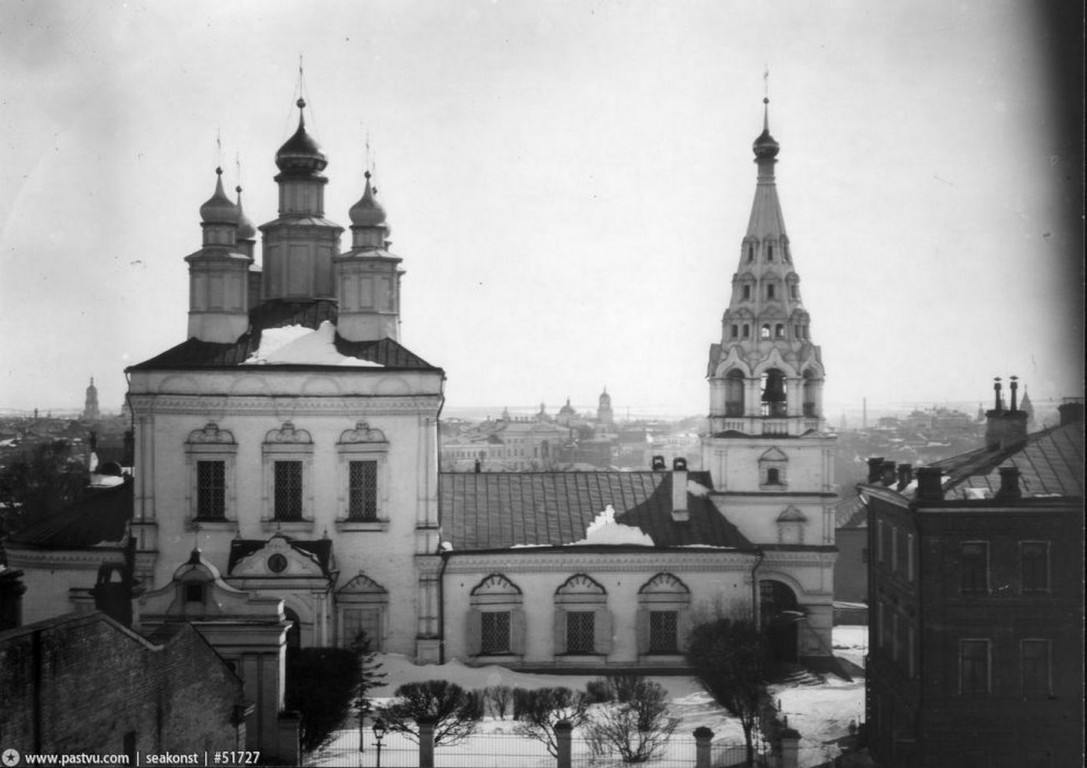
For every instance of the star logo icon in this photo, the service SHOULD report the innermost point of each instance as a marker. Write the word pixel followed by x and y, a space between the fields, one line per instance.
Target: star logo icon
pixel 10 757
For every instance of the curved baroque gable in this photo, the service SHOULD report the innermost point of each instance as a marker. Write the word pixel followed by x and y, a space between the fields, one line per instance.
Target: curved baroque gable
pixel 496 584
pixel 664 583
pixel 362 433
pixel 288 434
pixel 211 435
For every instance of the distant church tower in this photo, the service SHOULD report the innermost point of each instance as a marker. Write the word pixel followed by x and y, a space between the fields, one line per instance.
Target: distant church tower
pixel 603 409
pixel 90 405
pixel 767 450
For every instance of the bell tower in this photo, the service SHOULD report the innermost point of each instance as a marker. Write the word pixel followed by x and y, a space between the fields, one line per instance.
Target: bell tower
pixel 767 451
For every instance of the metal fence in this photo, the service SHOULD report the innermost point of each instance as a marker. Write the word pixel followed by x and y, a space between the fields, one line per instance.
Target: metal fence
pixel 506 750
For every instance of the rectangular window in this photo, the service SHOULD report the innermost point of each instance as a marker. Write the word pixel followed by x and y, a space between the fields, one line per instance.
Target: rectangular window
pixel 362 496
pixel 194 593
pixel 974 666
pixel 1034 565
pixel 662 631
pixel 495 632
pixel 747 291
pixel 579 632
pixel 288 490
pixel 974 558
pixel 1034 658
pixel 211 490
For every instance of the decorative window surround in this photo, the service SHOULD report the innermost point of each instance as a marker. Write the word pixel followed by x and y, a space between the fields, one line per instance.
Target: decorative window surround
pixel 363 443
pixel 211 444
pixel 580 594
pixel 496 596
pixel 287 444
pixel 665 594
pixel 362 603
pixel 778 480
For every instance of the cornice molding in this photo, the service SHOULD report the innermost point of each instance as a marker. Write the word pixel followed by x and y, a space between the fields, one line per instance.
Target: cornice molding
pixel 280 406
pixel 524 561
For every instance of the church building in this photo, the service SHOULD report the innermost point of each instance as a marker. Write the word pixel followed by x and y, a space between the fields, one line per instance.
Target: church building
pixel 293 441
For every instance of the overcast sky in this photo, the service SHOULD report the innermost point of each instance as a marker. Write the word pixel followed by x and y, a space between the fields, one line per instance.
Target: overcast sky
pixel 567 182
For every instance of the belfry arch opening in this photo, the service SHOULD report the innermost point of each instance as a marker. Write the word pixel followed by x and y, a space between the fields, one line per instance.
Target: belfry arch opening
pixel 774 393
pixel 810 394
pixel 734 393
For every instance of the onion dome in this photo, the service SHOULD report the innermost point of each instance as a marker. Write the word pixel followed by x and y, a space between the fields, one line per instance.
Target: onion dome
pixel 219 209
pixel 246 230
pixel 301 155
pixel 367 212
pixel 765 146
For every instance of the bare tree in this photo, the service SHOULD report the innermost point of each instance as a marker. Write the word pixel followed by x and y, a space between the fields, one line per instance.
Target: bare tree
pixel 454 711
pixel 637 729
pixel 500 697
pixel 730 660
pixel 541 709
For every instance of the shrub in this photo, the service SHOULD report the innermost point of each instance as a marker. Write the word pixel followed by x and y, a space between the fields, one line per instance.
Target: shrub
pixel 544 708
pixel 637 729
pixel 597 691
pixel 454 711
pixel 499 697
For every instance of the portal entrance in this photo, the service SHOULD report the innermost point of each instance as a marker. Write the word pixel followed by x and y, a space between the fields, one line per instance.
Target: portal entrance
pixel 779 617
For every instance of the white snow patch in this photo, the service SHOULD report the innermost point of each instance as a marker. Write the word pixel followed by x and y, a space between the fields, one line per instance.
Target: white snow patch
pixel 296 344
pixel 697 489
pixel 604 530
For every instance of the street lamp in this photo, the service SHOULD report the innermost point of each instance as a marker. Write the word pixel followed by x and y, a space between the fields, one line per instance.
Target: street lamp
pixel 379 734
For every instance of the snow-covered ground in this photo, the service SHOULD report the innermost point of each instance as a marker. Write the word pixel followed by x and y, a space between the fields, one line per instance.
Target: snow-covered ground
pixel 821 713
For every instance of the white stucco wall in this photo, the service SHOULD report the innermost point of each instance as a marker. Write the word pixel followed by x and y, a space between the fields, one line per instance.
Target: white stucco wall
pixel 719 583
pixel 251 402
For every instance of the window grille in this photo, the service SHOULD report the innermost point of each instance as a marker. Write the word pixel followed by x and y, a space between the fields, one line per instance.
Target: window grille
pixel 662 631
pixel 211 489
pixel 974 665
pixel 975 567
pixel 362 499
pixel 579 632
pixel 288 490
pixel 495 632
pixel 194 593
pixel 1034 557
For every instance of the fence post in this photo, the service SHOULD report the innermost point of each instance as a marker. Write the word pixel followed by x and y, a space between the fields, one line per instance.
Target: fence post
pixel 563 730
pixel 426 742
pixel 702 738
pixel 790 748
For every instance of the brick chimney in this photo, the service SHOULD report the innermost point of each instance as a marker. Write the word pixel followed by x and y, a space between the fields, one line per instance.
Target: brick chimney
pixel 1009 484
pixel 929 484
pixel 680 513
pixel 1005 428
pixel 905 476
pixel 875 469
pixel 1071 412
pixel 887 473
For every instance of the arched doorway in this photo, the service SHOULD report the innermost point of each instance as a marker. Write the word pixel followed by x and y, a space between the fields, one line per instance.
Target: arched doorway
pixel 294 634
pixel 779 616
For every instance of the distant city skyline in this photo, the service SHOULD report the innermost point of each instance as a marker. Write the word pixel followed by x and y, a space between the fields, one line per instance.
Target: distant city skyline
pixel 568 184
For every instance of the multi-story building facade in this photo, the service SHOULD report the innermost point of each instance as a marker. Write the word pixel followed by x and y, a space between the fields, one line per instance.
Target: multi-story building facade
pixel 976 597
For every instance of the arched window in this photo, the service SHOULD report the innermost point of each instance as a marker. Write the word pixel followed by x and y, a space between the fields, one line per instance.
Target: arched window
pixel 747 292
pixel 770 291
pixel 791 525
pixel 765 331
pixel 582 624
pixel 294 632
pixel 779 331
pixel 750 252
pixel 794 291
pixel 770 252
pixel 735 330
pixel 662 621
pixel 496 620
pixel 734 393
pixel 747 331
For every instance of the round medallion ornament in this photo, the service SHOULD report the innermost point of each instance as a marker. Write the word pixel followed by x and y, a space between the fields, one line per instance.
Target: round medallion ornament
pixel 277 563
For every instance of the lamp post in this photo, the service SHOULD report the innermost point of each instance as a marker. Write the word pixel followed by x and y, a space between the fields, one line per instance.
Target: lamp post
pixel 379 734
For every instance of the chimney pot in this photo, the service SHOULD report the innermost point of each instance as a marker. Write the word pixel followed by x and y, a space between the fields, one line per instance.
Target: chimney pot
pixel 875 468
pixel 929 485
pixel 1015 391
pixel 887 473
pixel 680 513
pixel 658 463
pixel 905 475
pixel 1009 484
pixel 1070 413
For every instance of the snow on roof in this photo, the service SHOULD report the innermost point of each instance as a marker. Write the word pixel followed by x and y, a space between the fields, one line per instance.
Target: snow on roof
pixel 604 530
pixel 299 345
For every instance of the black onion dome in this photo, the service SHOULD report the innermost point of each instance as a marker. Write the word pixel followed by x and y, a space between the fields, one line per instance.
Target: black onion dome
pixel 765 145
pixel 367 212
pixel 219 209
pixel 301 155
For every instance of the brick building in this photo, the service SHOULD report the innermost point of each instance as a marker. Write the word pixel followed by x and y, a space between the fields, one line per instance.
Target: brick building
pixel 976 595
pixel 170 692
